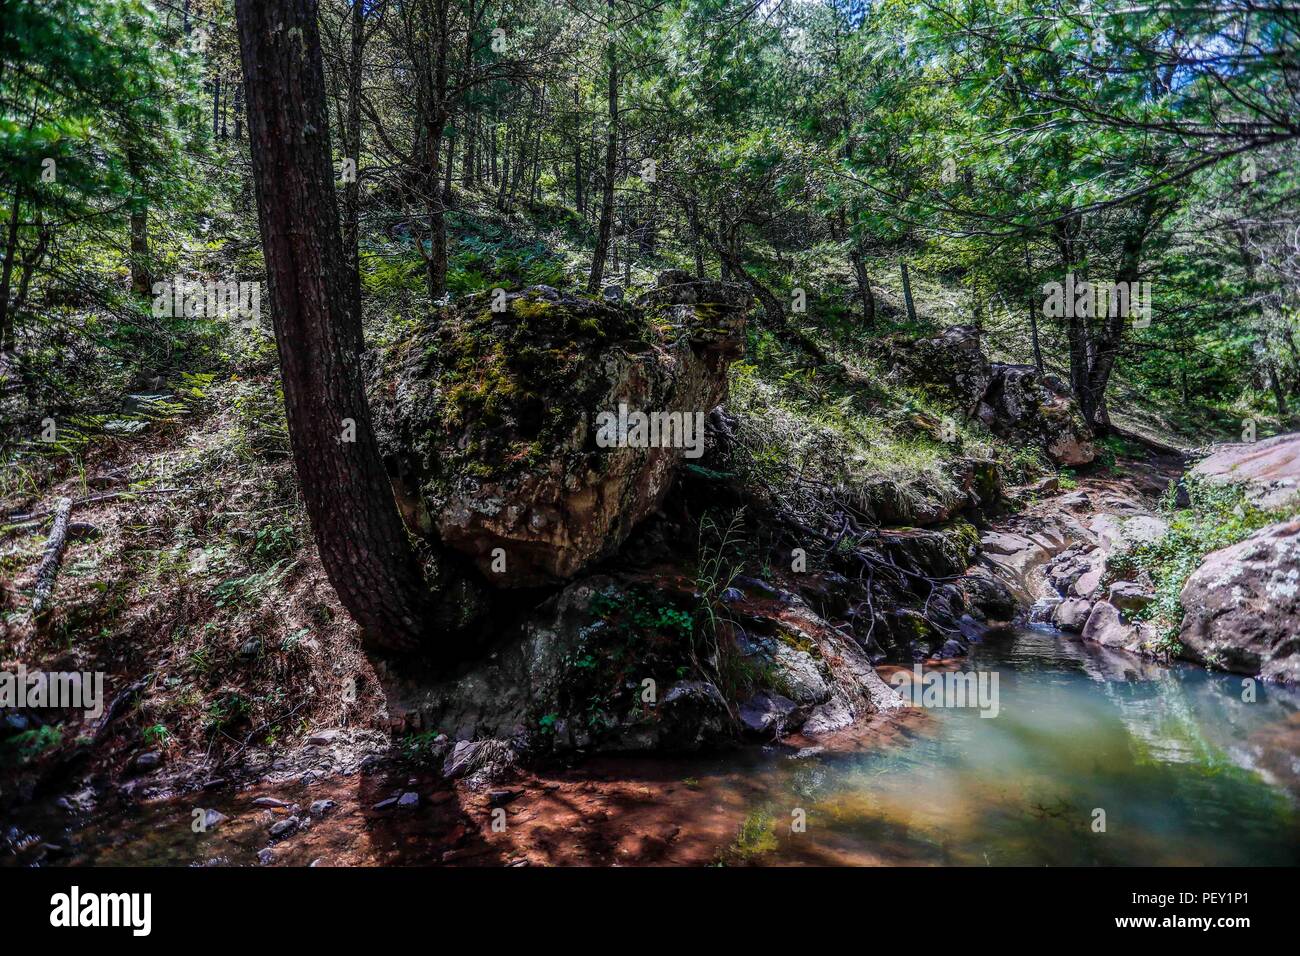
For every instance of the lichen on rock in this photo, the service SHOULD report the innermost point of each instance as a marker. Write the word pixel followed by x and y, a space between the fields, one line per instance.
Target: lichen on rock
pixel 487 419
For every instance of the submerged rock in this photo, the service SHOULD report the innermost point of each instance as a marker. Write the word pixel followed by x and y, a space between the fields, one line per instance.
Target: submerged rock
pixel 496 425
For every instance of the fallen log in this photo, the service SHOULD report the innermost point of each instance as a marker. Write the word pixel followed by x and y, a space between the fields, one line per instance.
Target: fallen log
pixel 49 566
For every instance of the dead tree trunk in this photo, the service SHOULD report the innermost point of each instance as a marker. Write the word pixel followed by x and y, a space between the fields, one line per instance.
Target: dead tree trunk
pixel 363 543
pixel 48 569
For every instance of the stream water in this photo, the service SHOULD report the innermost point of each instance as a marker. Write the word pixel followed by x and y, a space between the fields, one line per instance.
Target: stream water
pixel 1186 772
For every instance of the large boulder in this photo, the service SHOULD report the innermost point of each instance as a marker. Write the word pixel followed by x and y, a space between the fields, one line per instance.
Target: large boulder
pixel 1015 401
pixel 1270 469
pixel 951 361
pixel 1022 404
pixel 497 424
pixel 1106 625
pixel 1242 606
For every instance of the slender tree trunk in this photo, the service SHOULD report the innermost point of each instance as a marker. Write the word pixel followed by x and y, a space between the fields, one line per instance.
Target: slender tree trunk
pixel 697 237
pixel 352 151
pixel 578 199
pixel 907 292
pixel 363 543
pixel 606 226
pixel 1033 317
pixel 141 277
pixel 436 115
pixel 216 106
pixel 864 284
pixel 6 277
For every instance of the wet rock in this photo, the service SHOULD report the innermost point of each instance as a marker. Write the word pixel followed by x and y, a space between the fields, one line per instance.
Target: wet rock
pixel 284 828
pixel 499 798
pixel 408 801
pixel 1129 596
pixel 266 856
pixel 1072 614
pixel 1243 603
pixel 693 715
pixel 830 716
pixel 1107 627
pixel 321 807
pixel 767 713
pixel 270 803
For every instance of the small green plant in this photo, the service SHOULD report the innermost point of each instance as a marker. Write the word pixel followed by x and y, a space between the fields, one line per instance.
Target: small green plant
pixel 422 747
pixel 26 746
pixel 1066 480
pixel 157 734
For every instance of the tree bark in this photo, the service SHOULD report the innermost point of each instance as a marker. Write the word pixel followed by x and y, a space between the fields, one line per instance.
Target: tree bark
pixel 141 277
pixel 363 543
pixel 352 151
pixel 48 570
pixel 6 277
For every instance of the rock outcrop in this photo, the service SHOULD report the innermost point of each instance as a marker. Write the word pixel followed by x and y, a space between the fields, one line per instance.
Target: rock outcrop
pixel 615 664
pixel 1015 401
pixel 1242 606
pixel 1270 469
pixel 513 426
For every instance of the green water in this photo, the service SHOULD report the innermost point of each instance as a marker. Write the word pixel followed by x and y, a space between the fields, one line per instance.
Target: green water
pixel 1185 770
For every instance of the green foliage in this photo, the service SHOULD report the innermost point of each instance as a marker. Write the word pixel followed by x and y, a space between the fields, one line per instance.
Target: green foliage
pixel 1219 515
pixel 156 734
pixel 756 838
pixel 27 745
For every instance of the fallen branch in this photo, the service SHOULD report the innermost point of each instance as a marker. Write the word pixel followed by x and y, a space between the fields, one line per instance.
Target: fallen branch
pixel 93 499
pixel 49 566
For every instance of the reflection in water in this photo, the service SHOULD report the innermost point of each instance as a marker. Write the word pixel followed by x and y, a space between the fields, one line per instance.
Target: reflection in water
pixel 1184 770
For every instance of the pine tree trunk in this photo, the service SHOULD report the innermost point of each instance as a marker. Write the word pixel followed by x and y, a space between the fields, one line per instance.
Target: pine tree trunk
pixel 606 226
pixel 352 151
pixel 363 543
